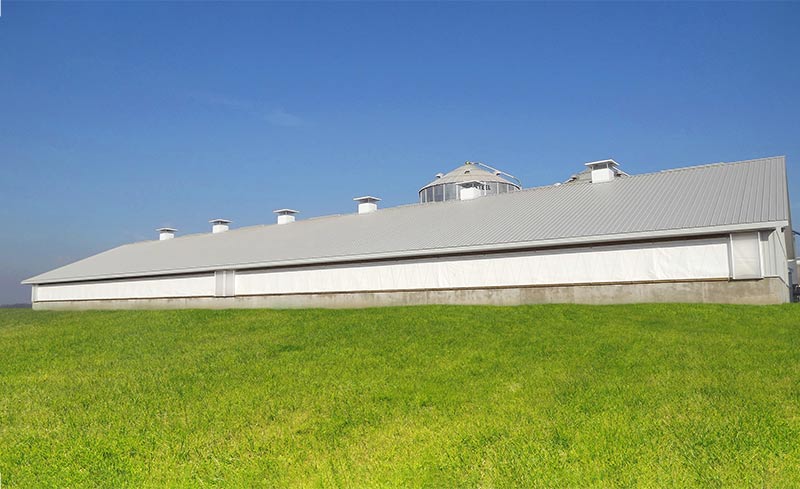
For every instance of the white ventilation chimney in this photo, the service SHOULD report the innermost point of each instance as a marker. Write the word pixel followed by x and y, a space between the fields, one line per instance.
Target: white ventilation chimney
pixel 603 170
pixel 470 190
pixel 165 233
pixel 219 225
pixel 367 204
pixel 285 216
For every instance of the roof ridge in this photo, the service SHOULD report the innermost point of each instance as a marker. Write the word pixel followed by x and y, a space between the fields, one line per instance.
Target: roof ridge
pixel 707 165
pixel 657 172
pixel 720 163
pixel 458 202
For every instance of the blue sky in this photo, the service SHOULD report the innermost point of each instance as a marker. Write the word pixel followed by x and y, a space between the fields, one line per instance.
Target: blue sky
pixel 120 117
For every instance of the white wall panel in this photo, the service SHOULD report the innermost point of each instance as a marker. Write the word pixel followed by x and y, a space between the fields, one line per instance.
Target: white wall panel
pixel 187 286
pixel 746 256
pixel 681 260
pixel 678 260
pixel 225 283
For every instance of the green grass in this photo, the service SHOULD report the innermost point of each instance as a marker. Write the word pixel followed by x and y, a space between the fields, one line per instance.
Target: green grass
pixel 538 396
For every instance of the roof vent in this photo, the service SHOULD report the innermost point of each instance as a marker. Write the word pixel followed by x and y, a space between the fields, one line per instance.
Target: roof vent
pixel 285 216
pixel 165 233
pixel 603 170
pixel 367 204
pixel 219 225
pixel 439 175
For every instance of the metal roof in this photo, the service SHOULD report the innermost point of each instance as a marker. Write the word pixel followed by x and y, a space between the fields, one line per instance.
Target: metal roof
pixel 468 172
pixel 704 199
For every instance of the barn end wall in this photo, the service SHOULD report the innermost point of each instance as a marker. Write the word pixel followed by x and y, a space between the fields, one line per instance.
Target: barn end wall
pixel 690 270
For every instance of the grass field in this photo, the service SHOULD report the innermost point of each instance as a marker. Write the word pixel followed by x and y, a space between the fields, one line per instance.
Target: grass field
pixel 538 396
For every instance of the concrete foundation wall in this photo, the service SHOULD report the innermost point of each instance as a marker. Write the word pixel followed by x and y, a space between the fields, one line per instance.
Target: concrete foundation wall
pixel 762 291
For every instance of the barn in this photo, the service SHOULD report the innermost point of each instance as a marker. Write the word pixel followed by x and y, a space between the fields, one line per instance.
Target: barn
pixel 710 233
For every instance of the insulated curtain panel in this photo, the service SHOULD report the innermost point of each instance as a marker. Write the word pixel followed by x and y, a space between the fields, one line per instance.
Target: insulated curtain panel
pixel 745 256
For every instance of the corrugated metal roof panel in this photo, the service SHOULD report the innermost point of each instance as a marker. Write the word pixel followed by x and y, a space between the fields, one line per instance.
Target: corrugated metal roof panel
pixel 716 195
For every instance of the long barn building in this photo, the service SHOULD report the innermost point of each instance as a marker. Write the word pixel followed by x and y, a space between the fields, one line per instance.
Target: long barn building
pixel 712 233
